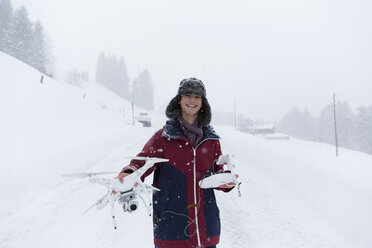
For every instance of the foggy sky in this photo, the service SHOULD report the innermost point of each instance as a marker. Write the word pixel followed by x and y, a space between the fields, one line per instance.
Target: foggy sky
pixel 266 55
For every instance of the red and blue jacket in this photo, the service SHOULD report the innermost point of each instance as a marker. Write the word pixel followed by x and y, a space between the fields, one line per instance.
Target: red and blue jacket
pixel 184 215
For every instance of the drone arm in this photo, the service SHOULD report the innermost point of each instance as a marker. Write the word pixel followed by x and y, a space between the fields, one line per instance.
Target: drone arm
pixel 99 180
pixel 152 148
pixel 146 203
pixel 143 191
pixel 140 167
pixel 112 203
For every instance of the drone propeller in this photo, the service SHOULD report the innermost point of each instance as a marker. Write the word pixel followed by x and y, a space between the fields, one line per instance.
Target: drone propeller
pixel 132 183
pixel 154 160
pixel 87 174
pixel 151 187
pixel 101 203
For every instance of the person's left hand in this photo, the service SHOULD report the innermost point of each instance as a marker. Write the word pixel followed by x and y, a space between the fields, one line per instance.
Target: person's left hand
pixel 228 185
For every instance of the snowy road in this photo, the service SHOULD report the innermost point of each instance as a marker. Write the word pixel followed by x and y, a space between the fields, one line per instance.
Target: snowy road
pixel 267 214
pixel 294 193
pixel 55 220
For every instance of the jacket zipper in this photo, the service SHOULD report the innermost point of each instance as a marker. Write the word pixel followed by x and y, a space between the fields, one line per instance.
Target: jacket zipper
pixel 195 200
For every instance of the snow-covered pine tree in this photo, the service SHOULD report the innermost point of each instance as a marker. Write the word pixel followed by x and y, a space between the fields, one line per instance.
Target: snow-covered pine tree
pixel 143 91
pixel 77 78
pixel 326 132
pixel 298 124
pixel 100 69
pixel 6 14
pixel 345 124
pixel 244 123
pixel 37 50
pixel 105 72
pixel 363 130
pixel 136 91
pixel 309 125
pixel 123 79
pixel 21 36
pixel 344 120
pixel 49 58
pixel 111 72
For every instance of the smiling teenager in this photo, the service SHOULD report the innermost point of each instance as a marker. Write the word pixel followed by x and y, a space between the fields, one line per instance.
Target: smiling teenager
pixel 184 215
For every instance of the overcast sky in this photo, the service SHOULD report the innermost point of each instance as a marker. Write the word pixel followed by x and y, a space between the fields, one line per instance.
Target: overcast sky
pixel 266 55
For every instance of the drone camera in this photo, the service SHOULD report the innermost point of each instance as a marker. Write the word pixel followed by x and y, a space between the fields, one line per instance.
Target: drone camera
pixel 133 206
pixel 130 206
pixel 128 201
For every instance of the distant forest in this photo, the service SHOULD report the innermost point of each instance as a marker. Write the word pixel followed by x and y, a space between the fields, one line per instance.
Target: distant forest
pixel 24 39
pixel 112 73
pixel 27 41
pixel 354 130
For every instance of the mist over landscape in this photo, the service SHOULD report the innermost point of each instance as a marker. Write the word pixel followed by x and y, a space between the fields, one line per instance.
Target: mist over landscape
pixel 84 85
pixel 266 56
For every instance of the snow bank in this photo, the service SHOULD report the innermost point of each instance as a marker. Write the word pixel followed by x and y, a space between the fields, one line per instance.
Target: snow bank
pixel 294 193
pixel 52 127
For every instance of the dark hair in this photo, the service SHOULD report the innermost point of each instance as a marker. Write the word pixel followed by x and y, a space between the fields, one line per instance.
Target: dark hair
pixel 174 111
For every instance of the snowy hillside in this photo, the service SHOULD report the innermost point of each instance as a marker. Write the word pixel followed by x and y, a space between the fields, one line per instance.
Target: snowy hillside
pixel 52 127
pixel 294 193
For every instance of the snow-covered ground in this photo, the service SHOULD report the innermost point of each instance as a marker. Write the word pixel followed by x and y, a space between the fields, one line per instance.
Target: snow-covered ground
pixel 294 193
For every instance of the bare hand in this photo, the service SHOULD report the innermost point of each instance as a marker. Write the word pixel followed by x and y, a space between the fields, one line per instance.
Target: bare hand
pixel 228 185
pixel 121 176
pixel 121 179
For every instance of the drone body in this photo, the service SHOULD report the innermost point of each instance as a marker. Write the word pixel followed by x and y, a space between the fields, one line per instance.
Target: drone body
pixel 215 180
pixel 125 193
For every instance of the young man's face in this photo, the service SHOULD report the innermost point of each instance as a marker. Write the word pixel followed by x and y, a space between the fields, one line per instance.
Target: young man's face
pixel 190 104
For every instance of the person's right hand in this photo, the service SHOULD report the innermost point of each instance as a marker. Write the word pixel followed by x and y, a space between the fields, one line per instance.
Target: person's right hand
pixel 121 179
pixel 228 185
pixel 121 176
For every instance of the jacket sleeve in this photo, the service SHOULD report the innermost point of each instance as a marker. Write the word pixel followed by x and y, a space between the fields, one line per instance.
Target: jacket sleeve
pixel 152 148
pixel 218 168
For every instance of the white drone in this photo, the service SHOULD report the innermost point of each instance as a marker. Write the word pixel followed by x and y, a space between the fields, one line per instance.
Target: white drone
pixel 126 192
pixel 216 180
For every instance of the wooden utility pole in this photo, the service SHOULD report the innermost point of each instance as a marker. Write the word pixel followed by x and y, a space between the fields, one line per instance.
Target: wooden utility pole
pixel 235 115
pixel 335 122
pixel 133 112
